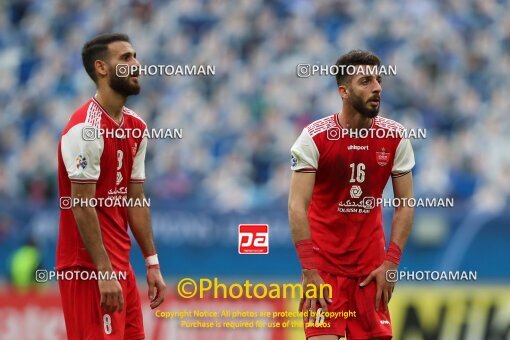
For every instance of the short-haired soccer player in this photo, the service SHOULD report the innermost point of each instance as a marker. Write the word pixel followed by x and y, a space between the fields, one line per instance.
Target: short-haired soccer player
pixel 341 164
pixel 98 162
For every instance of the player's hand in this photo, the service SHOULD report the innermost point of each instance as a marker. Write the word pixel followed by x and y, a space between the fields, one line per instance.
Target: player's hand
pixel 384 288
pixel 157 287
pixel 111 295
pixel 312 277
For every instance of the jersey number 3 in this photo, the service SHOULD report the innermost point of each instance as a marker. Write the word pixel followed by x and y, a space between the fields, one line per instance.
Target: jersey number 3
pixel 120 155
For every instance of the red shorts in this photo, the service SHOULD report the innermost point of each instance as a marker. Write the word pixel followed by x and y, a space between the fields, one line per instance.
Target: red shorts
pixel 358 318
pixel 84 317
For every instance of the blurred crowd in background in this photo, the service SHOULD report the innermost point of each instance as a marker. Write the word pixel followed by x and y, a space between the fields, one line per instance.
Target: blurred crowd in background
pixel 453 76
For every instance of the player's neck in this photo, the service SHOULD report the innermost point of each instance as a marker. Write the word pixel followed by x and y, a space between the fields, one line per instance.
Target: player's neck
pixel 112 103
pixel 350 119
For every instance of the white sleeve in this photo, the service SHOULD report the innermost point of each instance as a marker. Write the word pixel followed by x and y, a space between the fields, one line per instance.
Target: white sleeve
pixel 304 153
pixel 138 171
pixel 404 159
pixel 82 155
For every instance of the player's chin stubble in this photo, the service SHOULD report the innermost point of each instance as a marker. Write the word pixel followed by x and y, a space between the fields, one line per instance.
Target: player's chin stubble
pixel 123 86
pixel 361 106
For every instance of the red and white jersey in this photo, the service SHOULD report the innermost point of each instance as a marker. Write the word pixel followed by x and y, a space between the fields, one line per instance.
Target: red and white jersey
pixel 351 173
pixel 90 151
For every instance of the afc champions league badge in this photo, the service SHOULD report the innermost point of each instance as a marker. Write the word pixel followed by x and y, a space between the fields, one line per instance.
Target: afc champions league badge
pixel 81 161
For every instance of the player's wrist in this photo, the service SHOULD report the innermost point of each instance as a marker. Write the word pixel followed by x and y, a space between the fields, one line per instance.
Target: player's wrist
pixel 306 254
pixel 309 273
pixel 390 265
pixel 151 261
pixel 105 268
pixel 393 254
pixel 106 275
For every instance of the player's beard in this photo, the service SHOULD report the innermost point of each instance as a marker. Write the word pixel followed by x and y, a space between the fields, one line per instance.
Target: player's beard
pixel 362 106
pixel 123 85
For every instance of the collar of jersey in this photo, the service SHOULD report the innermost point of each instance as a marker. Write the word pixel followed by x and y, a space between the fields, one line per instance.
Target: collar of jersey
pixel 107 115
pixel 337 120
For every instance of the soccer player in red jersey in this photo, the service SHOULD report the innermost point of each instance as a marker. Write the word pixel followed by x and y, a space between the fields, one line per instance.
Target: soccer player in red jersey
pixel 341 165
pixel 101 157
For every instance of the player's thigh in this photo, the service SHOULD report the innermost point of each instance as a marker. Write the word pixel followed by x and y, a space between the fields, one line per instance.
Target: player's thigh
pixel 368 323
pixel 111 325
pixel 84 317
pixel 322 324
pixel 134 318
pixel 69 308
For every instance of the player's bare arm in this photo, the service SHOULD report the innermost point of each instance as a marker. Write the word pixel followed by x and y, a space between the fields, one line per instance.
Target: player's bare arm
pixel 301 189
pixel 140 224
pixel 403 215
pixel 400 230
pixel 90 232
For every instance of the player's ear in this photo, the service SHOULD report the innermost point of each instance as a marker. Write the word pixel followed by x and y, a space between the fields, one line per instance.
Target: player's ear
pixel 101 68
pixel 343 92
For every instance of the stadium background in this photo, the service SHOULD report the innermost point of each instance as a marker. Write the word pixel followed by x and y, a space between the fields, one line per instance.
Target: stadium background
pixel 232 164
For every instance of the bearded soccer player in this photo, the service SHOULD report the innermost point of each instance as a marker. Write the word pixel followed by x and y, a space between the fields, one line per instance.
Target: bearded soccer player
pixel 100 162
pixel 341 165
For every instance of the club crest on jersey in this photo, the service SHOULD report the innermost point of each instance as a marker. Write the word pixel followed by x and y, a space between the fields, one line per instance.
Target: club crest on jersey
pixel 81 161
pixel 382 157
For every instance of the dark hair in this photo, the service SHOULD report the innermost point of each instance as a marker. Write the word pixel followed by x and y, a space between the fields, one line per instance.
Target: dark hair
pixel 354 57
pixel 97 48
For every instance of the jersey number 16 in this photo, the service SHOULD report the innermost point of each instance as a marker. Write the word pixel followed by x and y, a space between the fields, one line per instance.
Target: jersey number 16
pixel 357 173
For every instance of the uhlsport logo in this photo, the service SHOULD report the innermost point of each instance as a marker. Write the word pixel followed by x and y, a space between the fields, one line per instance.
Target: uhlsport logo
pixel 253 239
